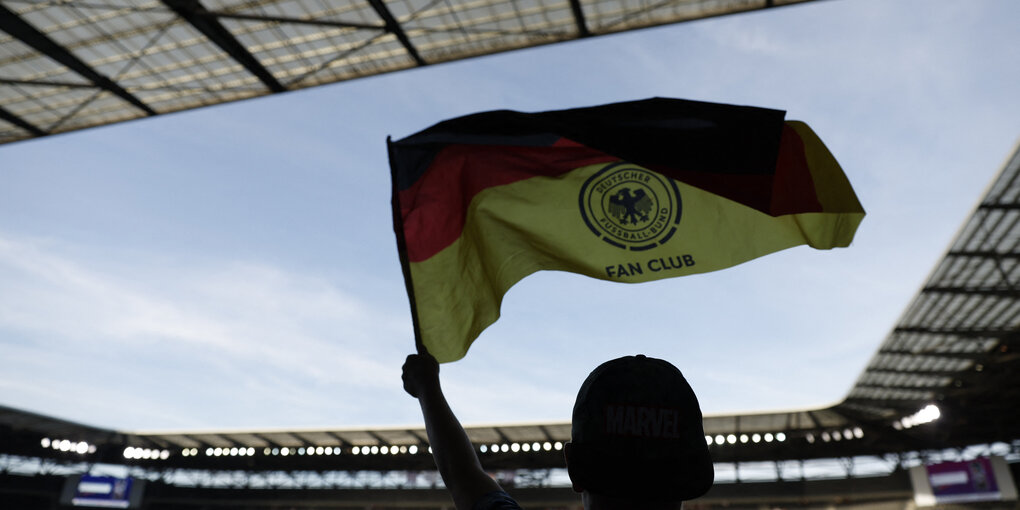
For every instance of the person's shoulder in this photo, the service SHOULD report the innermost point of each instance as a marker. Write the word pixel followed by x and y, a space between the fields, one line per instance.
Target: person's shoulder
pixel 497 500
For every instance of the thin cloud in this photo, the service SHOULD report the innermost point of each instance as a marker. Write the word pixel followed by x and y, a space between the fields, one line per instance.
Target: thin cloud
pixel 248 322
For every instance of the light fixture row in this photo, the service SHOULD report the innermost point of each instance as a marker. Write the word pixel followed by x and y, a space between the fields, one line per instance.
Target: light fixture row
pixel 363 450
pixel 836 435
pixel 66 445
pixel 521 447
pixel 755 438
pixel 303 451
pixel 132 452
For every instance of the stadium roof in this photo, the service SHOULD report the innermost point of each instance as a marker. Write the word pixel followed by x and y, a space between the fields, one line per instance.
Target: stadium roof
pixel 68 65
pixel 955 347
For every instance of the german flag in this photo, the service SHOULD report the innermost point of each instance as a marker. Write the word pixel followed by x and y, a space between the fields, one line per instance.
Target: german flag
pixel 627 192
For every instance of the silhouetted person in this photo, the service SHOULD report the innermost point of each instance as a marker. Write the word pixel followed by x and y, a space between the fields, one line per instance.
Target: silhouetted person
pixel 637 440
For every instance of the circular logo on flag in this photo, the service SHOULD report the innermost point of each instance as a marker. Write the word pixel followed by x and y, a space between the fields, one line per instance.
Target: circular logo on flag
pixel 630 207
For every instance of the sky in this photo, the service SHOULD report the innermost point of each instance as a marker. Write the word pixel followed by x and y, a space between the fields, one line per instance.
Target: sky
pixel 234 267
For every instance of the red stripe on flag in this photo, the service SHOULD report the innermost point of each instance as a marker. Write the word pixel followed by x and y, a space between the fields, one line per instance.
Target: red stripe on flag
pixel 793 190
pixel 434 208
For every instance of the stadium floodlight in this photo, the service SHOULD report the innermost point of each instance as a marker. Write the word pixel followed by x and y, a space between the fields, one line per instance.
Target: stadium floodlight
pixel 930 413
pixel 780 436
pixel 708 440
pixel 526 447
pixel 731 439
pixel 129 452
pixel 756 438
pixel 320 450
pixel 45 442
pixel 413 449
pixel 744 438
pixel 558 446
pixel 858 432
pixel 483 448
pixel 768 437
pixel 82 447
pixel 504 448
pixel 209 452
pixel 547 446
pixel 535 446
pixel 336 450
pixel 356 450
pixel 375 450
pixel 65 445
pixel 164 454
pixel 285 451
pixel 811 438
pixel 825 436
pixel 719 439
pixel 515 447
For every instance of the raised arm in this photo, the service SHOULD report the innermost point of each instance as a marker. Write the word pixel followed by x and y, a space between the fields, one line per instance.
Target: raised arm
pixel 452 450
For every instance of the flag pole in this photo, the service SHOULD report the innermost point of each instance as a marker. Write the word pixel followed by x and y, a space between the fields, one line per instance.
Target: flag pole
pixel 398 227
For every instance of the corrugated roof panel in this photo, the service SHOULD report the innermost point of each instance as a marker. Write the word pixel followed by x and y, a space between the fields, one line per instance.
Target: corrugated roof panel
pixel 153 54
pixel 282 439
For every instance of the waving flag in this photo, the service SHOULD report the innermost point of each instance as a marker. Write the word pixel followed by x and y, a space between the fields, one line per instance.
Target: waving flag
pixel 627 192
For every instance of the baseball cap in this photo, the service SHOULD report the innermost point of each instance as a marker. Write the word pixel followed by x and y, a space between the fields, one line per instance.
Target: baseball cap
pixel 637 432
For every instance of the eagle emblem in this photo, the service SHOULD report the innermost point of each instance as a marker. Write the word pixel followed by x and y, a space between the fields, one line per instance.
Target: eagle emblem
pixel 630 207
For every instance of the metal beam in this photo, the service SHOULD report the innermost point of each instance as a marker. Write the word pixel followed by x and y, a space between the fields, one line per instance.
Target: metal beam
pixel 394 27
pixel 903 386
pixel 195 13
pixel 5 114
pixel 983 254
pixel 290 20
pixel 814 420
pixel 40 83
pixel 21 30
pixel 918 372
pixel 582 26
pixel 1006 207
pixel 948 355
pixel 963 332
pixel 903 403
pixel 972 291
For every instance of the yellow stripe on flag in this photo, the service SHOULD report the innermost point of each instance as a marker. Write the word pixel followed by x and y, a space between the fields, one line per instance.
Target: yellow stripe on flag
pixel 516 229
